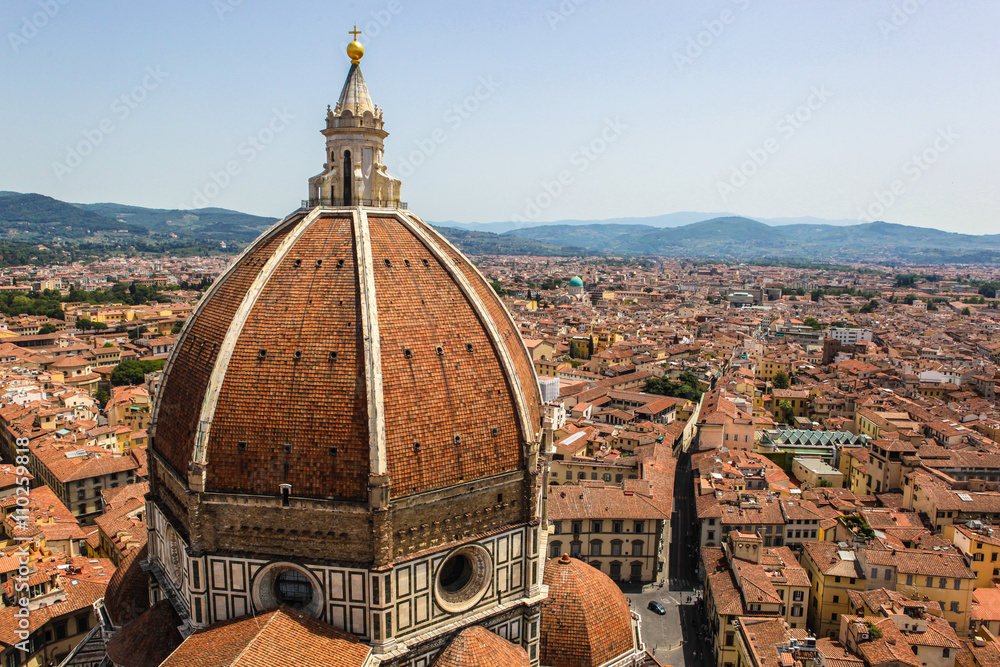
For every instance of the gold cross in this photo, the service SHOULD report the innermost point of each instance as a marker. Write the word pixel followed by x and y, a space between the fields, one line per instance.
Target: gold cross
pixel 355 32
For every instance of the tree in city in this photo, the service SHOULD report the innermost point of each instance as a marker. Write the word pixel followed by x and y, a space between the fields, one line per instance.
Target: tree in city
pixel 966 311
pixel 47 328
pixel 812 323
pixel 686 386
pixel 786 411
pixel 83 324
pixel 133 371
pixel 781 380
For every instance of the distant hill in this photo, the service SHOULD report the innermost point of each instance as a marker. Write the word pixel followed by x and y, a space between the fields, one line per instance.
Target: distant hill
pixel 206 224
pixel 742 238
pixel 678 219
pixel 32 224
pixel 33 217
pixel 486 243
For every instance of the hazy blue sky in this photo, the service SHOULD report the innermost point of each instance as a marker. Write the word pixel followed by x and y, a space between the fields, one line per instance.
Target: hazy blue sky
pixel 846 109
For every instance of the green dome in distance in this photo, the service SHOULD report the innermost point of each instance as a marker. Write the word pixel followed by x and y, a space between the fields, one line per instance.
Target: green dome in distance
pixel 576 281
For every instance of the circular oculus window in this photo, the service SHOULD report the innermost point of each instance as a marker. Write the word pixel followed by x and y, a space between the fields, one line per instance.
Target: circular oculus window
pixel 462 579
pixel 287 584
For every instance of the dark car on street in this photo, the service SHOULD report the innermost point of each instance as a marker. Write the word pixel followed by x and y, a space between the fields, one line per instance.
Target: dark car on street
pixel 656 607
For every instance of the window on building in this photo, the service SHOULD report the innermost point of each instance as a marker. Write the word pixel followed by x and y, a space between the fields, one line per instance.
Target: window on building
pixel 930 581
pixel 730 637
pixel 581 475
pixel 958 584
pixel 569 474
pixel 596 527
pixel 942 582
pixel 946 653
pixel 874 573
pixel 639 527
pixel 909 580
pixel 595 547
pixel 836 580
pixel 711 534
pixel 836 599
pixel 993 557
pixel 888 574
pixel 954 607
pixel 796 610
pixel 797 596
pixel 616 527
pixel 616 571
pixel 555 549
pixel 637 548
pixel 616 547
pixel 574 549
pixel 577 527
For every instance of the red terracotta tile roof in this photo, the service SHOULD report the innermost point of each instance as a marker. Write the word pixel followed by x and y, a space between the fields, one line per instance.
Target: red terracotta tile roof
pixel 444 385
pixel 585 620
pixel 478 647
pixel 282 636
pixel 149 639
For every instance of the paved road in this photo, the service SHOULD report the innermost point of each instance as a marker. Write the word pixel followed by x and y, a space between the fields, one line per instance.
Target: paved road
pixel 683 567
pixel 673 638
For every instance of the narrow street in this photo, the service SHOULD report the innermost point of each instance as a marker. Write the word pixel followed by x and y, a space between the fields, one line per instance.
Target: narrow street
pixel 680 636
pixel 683 568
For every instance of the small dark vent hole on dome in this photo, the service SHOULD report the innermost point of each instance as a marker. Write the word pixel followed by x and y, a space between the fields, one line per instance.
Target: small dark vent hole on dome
pixel 297 355
pixel 287 448
pixel 241 446
pixel 416 446
pixel 439 350
pixel 426 263
pixel 407 353
pixel 388 263
pixel 333 355
pixel 298 263
pixel 494 431
pixel 406 262
pixel 340 263
pixel 458 439
pixel 333 451
pixel 319 263
pixel 468 347
pixel 261 354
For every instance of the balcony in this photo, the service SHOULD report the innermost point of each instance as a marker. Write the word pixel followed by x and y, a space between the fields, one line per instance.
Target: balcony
pixel 337 201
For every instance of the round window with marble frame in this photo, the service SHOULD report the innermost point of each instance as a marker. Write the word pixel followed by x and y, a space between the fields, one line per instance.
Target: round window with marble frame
pixel 463 578
pixel 267 582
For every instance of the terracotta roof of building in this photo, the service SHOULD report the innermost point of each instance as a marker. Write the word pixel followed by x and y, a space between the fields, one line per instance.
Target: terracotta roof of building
pixel 128 591
pixel 281 636
pixel 585 620
pixel 149 639
pixel 443 333
pixel 476 646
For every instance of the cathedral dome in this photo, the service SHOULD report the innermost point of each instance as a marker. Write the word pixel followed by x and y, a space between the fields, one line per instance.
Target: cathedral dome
pixel 576 281
pixel 346 344
pixel 585 620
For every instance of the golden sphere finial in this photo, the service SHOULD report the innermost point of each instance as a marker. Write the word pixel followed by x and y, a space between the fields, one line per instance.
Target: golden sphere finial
pixel 354 50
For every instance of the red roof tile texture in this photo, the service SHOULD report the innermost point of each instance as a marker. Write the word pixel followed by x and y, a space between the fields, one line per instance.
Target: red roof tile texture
pixel 281 636
pixel 585 619
pixel 296 415
pixel 476 646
